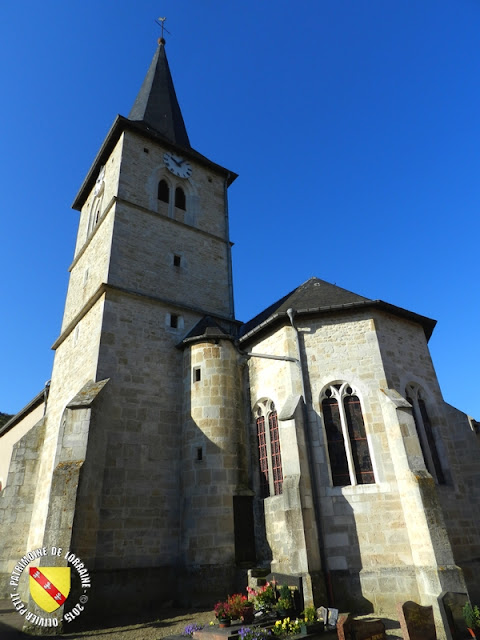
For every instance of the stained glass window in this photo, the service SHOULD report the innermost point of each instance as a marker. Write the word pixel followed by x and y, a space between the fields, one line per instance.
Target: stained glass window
pixel 358 440
pixel 263 458
pixel 335 443
pixel 276 454
pixel 348 450
pixel 425 433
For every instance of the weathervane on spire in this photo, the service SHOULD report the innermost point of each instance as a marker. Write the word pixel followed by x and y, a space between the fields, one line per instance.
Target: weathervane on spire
pixel 161 24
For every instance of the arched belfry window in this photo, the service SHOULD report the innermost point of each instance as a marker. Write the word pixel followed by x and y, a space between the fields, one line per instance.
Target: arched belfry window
pixel 163 191
pixel 416 397
pixel 180 200
pixel 348 451
pixel 269 453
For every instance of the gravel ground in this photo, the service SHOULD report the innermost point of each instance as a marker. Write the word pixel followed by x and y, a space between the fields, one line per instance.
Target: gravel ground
pixel 170 622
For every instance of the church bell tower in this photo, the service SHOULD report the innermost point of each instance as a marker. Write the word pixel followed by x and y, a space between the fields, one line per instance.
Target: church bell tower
pixel 152 259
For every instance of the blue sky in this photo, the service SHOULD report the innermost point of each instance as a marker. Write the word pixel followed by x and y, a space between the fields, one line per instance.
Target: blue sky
pixel 354 126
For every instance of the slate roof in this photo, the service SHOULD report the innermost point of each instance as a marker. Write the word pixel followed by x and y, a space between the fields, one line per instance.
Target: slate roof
pixel 156 104
pixel 316 296
pixel 209 329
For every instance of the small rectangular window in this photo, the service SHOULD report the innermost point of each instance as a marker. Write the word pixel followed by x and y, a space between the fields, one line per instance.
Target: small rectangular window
pixel 199 453
pixel 177 260
pixel 174 321
pixel 145 150
pixel 197 374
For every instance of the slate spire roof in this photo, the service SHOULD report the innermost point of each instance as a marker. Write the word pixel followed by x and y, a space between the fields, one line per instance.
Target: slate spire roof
pixel 156 104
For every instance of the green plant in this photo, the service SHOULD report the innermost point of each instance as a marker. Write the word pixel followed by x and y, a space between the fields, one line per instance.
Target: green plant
pixel 471 615
pixel 286 627
pixel 309 615
pixel 285 591
pixel 254 633
pixel 236 604
pixel 284 604
pixel 221 611
pixel 264 597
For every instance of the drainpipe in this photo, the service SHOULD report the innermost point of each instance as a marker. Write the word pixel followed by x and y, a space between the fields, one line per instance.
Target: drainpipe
pixel 46 391
pixel 229 248
pixel 316 502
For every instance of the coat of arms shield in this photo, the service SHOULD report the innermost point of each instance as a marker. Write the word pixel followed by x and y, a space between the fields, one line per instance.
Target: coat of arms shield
pixel 49 586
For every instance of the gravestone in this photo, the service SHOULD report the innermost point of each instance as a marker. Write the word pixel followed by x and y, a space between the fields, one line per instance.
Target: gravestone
pixel 332 618
pixel 294 582
pixel 416 621
pixel 350 629
pixel 451 605
pixel 322 613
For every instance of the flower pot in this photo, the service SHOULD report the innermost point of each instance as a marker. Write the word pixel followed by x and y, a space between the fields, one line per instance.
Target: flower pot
pixel 312 627
pixel 248 615
pixel 224 622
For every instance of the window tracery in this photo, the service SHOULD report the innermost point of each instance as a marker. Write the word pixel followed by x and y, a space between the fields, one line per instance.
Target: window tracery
pixel 416 397
pixel 269 452
pixel 347 444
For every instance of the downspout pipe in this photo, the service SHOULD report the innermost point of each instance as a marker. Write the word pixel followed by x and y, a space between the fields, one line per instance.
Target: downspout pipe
pixel 229 248
pixel 316 501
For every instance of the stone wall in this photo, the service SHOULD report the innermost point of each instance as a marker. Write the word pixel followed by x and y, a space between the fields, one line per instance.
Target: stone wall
pixel 461 500
pixel 289 519
pixel 16 502
pixel 214 469
pixel 13 435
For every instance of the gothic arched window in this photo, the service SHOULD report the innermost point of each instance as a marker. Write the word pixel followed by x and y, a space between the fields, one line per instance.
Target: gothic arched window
pixel 350 461
pixel 163 191
pixel 180 201
pixel 269 454
pixel 415 396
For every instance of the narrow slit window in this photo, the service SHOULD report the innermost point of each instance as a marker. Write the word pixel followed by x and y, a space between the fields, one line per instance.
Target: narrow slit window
pixel 174 321
pixel 197 374
pixel 177 260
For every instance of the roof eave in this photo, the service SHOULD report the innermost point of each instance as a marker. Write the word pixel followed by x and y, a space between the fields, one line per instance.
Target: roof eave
pixel 427 323
pixel 31 406
pixel 122 124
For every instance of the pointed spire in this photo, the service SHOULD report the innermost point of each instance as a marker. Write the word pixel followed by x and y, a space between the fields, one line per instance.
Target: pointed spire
pixel 156 104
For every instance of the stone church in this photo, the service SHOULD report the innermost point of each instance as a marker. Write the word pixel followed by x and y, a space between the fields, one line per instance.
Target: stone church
pixel 177 448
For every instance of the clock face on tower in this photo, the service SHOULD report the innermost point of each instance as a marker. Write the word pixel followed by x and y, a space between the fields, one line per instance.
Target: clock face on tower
pixel 177 165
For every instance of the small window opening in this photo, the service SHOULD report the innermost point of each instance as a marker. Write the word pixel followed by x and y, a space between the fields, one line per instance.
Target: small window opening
pixel 174 321
pixel 145 150
pixel 163 191
pixel 177 260
pixel 199 453
pixel 197 374
pixel 180 201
